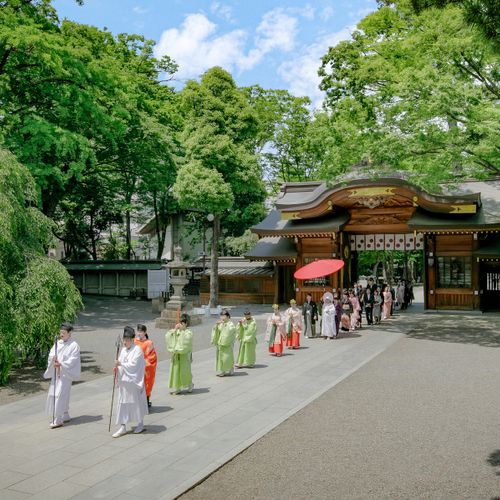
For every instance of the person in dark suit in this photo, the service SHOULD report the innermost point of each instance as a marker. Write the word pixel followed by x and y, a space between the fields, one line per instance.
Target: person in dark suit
pixel 368 304
pixel 310 313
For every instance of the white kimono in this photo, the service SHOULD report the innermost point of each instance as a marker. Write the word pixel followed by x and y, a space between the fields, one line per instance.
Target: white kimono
pixel 328 325
pixel 68 354
pixel 132 402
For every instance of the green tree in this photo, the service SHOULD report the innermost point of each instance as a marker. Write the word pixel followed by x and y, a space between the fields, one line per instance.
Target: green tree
pixel 286 142
pixel 221 170
pixel 36 293
pixel 415 92
pixel 239 245
pixel 80 105
pixel 483 14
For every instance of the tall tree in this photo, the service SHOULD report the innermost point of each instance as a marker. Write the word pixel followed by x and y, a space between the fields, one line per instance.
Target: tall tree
pixel 416 92
pixel 221 170
pixel 286 144
pixel 81 105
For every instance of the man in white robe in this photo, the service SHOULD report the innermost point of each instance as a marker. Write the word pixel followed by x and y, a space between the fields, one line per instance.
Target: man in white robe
pixel 63 368
pixel 129 369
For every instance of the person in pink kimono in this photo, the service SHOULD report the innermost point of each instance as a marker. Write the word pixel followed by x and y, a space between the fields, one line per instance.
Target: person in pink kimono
pixel 293 325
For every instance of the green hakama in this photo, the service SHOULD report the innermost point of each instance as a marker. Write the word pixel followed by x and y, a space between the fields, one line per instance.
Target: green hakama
pixel 180 345
pixel 247 335
pixel 223 337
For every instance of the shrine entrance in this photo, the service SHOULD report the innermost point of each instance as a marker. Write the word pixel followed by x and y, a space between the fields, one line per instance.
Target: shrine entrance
pixel 449 233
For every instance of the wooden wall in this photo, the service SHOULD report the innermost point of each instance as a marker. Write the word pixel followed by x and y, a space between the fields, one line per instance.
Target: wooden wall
pixel 114 283
pixel 450 245
pixel 240 290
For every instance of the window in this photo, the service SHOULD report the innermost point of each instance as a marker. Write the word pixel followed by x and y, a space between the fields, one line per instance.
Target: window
pixel 454 272
pixel 320 282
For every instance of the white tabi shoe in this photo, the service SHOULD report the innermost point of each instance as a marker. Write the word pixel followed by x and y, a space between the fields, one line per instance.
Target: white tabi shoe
pixel 140 428
pixel 120 432
pixel 56 424
pixel 66 417
pixel 190 388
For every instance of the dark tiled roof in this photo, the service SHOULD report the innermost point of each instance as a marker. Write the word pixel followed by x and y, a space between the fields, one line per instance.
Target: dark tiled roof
pixel 110 265
pixel 273 248
pixel 274 225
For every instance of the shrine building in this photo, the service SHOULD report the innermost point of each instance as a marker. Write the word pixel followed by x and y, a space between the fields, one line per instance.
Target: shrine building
pixel 458 233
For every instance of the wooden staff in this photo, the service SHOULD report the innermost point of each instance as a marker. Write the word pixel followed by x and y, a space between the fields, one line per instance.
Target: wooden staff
pixel 55 379
pixel 118 344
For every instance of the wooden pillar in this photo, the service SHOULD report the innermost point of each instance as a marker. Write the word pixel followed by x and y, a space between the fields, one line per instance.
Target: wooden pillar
pixel 430 271
pixel 475 274
pixel 276 283
pixel 298 283
pixel 336 254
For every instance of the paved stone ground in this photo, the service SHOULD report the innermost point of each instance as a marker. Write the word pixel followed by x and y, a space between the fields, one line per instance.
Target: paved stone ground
pixel 187 437
pixel 419 421
pixel 96 330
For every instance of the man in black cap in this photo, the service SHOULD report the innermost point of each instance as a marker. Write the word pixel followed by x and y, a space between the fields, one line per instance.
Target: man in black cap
pixel 63 368
pixel 129 370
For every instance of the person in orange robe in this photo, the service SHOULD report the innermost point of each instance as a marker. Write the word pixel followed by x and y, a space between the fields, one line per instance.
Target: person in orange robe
pixel 148 349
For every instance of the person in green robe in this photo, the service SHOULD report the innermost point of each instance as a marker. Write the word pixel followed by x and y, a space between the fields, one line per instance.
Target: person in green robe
pixel 180 345
pixel 247 335
pixel 223 337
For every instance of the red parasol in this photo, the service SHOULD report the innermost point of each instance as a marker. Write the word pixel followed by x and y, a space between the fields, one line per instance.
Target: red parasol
pixel 319 268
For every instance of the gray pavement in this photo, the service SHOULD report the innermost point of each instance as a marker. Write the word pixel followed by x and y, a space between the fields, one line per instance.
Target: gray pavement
pixel 187 437
pixel 421 420
pixel 96 329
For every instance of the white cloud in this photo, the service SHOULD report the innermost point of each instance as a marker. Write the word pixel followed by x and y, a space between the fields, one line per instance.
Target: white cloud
pixel 301 72
pixel 308 11
pixel 222 10
pixel 140 10
pixel 361 13
pixel 276 31
pixel 196 46
pixel 326 13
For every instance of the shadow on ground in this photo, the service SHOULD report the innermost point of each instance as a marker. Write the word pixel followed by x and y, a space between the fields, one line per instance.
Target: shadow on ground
pixel 494 460
pixel 89 363
pixel 459 329
pixel 84 419
pixel 111 312
pixel 159 409
pixel 26 380
pixel 155 429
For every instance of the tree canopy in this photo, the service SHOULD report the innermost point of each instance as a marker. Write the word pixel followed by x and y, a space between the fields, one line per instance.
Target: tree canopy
pixel 415 92
pixel 36 293
pixel 221 175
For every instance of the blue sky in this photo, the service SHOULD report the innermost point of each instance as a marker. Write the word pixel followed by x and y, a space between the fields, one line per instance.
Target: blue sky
pixel 277 44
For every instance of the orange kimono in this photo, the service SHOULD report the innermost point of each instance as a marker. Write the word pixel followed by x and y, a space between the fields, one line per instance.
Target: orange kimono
pixel 149 352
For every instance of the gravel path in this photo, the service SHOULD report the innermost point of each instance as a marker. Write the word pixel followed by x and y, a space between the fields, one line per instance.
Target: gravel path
pixel 419 421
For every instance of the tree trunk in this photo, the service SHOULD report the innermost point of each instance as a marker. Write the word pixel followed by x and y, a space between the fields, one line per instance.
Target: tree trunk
pixel 92 239
pixel 159 227
pixel 214 263
pixel 128 235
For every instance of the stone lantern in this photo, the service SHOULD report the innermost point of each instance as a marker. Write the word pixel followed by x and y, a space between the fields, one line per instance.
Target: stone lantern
pixel 177 303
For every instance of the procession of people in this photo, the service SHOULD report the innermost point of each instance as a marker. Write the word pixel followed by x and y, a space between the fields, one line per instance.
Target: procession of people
pixel 338 313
